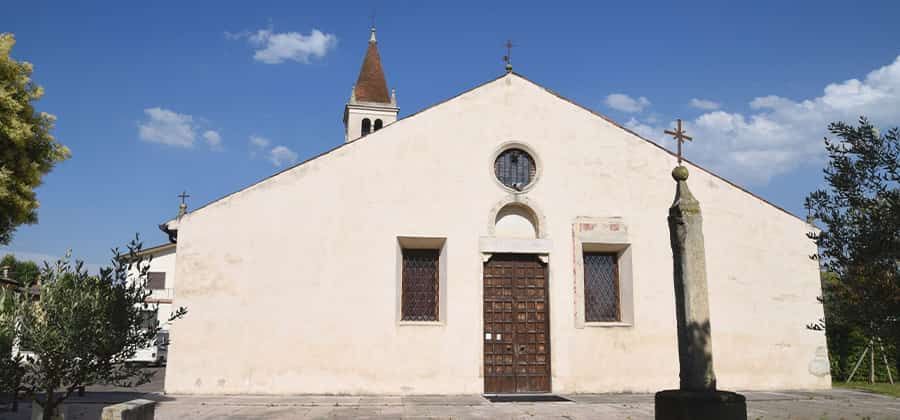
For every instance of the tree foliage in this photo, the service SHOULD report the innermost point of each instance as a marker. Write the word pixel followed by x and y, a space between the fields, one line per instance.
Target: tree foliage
pixel 859 244
pixel 27 149
pixel 22 272
pixel 82 328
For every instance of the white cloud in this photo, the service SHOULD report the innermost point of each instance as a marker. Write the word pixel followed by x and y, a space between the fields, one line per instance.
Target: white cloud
pixel 625 103
pixel 643 128
pixel 213 139
pixel 281 155
pixel 704 104
pixel 781 134
pixel 167 127
pixel 259 142
pixel 278 155
pixel 275 48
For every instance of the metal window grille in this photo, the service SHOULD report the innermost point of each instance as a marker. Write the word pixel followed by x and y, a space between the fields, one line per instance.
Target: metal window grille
pixel 420 285
pixel 515 168
pixel 601 287
pixel 156 280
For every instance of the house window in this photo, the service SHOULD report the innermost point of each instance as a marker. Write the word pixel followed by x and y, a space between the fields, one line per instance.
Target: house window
pixel 149 320
pixel 378 124
pixel 366 126
pixel 420 285
pixel 601 287
pixel 156 280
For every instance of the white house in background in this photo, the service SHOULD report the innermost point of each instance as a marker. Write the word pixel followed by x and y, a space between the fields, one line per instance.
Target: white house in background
pixel 161 282
pixel 504 240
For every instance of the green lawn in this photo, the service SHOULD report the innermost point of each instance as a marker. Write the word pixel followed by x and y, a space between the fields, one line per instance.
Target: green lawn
pixel 878 388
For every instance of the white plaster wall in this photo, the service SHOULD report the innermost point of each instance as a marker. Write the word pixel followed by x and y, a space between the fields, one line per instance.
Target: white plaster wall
pixel 162 261
pixel 165 262
pixel 291 283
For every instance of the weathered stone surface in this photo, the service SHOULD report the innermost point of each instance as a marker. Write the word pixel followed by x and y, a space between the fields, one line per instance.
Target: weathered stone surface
pixel 676 404
pixel 37 412
pixel 770 405
pixel 697 399
pixel 139 409
pixel 691 295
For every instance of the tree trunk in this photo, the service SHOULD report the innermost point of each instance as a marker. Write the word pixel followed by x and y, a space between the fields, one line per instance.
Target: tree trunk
pixel 49 406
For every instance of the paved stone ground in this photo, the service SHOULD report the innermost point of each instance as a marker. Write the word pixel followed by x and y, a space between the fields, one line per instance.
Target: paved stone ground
pixel 833 404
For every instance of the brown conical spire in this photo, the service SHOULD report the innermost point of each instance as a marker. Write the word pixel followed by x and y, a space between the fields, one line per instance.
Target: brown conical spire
pixel 371 85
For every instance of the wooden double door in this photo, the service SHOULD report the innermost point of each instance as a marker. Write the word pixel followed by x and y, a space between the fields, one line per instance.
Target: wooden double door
pixel 516 325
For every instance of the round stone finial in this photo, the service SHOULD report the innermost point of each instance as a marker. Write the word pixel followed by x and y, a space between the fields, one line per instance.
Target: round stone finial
pixel 680 173
pixel 508 68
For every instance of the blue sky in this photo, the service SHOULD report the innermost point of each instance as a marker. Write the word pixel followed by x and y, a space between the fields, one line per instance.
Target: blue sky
pixel 159 97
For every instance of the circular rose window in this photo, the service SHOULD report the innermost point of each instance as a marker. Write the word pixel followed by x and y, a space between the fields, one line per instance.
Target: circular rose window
pixel 515 169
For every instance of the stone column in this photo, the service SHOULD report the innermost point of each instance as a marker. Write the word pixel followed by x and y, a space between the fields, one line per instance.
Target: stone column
pixel 697 397
pixel 691 296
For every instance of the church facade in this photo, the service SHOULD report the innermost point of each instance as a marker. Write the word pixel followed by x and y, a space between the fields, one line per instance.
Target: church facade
pixel 505 240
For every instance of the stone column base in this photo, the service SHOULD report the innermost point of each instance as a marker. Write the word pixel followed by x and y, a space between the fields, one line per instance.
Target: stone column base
pixel 675 404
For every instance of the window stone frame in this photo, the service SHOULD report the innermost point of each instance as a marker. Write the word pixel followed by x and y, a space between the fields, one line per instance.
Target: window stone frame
pixel 609 234
pixel 421 242
pixel 538 166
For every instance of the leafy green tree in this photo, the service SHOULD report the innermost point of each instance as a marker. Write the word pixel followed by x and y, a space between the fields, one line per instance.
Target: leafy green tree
pixel 27 149
pixel 10 364
pixel 82 329
pixel 846 342
pixel 18 272
pixel 23 272
pixel 860 240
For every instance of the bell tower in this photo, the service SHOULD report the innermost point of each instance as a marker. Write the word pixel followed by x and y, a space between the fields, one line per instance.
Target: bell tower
pixel 371 106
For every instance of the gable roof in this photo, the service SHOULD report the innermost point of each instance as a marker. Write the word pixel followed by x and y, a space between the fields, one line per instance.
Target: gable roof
pixel 511 73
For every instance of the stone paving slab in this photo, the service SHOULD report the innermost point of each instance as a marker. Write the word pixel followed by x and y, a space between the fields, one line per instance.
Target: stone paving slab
pixel 814 405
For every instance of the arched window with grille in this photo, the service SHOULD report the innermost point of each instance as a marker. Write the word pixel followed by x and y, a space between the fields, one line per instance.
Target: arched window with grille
pixel 366 126
pixel 378 124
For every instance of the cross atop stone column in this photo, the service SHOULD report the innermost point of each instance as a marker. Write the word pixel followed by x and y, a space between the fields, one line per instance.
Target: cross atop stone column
pixel 697 397
pixel 691 295
pixel 680 137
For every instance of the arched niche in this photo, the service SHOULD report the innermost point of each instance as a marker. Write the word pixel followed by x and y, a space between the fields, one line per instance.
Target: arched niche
pixel 515 221
pixel 516 226
pixel 516 217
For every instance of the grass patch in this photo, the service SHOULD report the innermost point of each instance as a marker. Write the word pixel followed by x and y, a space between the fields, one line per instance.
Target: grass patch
pixel 878 388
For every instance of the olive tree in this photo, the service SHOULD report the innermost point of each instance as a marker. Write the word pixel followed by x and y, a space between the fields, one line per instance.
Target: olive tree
pixel 859 244
pixel 81 329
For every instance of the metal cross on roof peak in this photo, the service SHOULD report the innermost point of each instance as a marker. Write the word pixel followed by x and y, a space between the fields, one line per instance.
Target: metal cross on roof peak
pixel 508 57
pixel 680 137
pixel 183 196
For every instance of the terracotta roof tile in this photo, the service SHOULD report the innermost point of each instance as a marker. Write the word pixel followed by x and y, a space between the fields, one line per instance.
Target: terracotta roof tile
pixel 371 85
